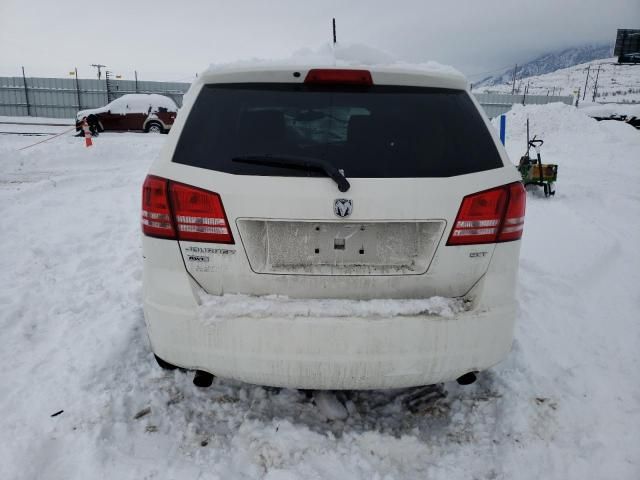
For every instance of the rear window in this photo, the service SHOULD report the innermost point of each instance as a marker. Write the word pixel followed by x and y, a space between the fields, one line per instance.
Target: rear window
pixel 368 132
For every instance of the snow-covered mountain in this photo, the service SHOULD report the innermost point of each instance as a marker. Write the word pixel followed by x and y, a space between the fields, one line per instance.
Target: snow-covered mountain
pixel 615 83
pixel 549 62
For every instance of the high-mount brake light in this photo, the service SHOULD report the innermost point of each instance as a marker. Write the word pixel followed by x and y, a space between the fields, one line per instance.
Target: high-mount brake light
pixel 339 76
pixel 491 216
pixel 181 212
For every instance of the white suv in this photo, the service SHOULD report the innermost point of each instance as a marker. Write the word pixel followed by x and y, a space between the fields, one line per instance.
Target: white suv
pixel 331 229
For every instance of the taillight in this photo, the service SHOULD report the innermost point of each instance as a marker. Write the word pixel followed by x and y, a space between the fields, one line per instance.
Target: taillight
pixel 156 215
pixel 199 214
pixel 339 76
pixel 491 216
pixel 513 222
pixel 182 212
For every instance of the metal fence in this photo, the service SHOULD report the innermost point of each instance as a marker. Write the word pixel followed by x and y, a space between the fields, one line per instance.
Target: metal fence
pixel 63 97
pixel 495 104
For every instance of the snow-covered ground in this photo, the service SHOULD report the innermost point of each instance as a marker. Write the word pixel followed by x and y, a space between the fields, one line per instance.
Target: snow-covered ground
pixel 564 405
pixel 37 120
pixel 611 109
pixel 34 127
pixel 616 83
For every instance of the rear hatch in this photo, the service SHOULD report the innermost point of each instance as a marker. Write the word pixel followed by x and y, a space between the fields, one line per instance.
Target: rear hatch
pixel 411 154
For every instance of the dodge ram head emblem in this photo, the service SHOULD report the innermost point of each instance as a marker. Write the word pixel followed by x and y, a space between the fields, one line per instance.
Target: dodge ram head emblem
pixel 343 207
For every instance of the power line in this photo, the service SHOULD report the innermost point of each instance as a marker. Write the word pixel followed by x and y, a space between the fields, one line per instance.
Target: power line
pixel 595 86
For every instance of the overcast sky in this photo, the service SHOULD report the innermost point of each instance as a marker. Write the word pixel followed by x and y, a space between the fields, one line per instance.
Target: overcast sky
pixel 171 40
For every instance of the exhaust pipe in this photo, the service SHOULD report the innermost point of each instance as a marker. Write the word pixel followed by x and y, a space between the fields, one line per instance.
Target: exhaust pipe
pixel 467 378
pixel 202 379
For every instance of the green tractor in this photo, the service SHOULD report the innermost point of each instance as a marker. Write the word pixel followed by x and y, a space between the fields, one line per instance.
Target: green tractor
pixel 533 171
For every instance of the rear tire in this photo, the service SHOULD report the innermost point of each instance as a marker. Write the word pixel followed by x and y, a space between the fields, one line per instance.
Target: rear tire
pixel 164 365
pixel 154 127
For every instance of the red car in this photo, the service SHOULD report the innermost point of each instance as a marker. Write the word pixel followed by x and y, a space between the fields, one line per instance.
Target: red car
pixel 141 112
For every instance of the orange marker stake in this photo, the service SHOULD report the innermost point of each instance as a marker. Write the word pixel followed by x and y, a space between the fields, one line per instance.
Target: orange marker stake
pixel 88 141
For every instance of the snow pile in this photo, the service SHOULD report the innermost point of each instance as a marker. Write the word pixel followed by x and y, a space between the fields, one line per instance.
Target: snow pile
pixel 551 122
pixel 620 112
pixel 215 307
pixel 610 109
pixel 345 54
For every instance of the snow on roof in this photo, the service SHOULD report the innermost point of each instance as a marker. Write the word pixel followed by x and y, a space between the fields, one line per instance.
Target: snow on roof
pixel 338 55
pixel 341 56
pixel 144 100
pixel 133 103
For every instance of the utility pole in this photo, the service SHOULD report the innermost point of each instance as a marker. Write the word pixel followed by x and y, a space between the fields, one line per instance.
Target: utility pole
pixel 98 66
pixel 578 97
pixel 526 91
pixel 585 82
pixel 26 93
pixel 595 86
pixel 135 72
pixel 513 87
pixel 77 90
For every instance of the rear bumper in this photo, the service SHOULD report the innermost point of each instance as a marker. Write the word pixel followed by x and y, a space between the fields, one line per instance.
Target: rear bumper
pixel 333 353
pixel 326 352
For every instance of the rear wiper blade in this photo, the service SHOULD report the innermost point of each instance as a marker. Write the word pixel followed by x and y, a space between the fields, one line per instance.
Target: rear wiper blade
pixel 293 161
